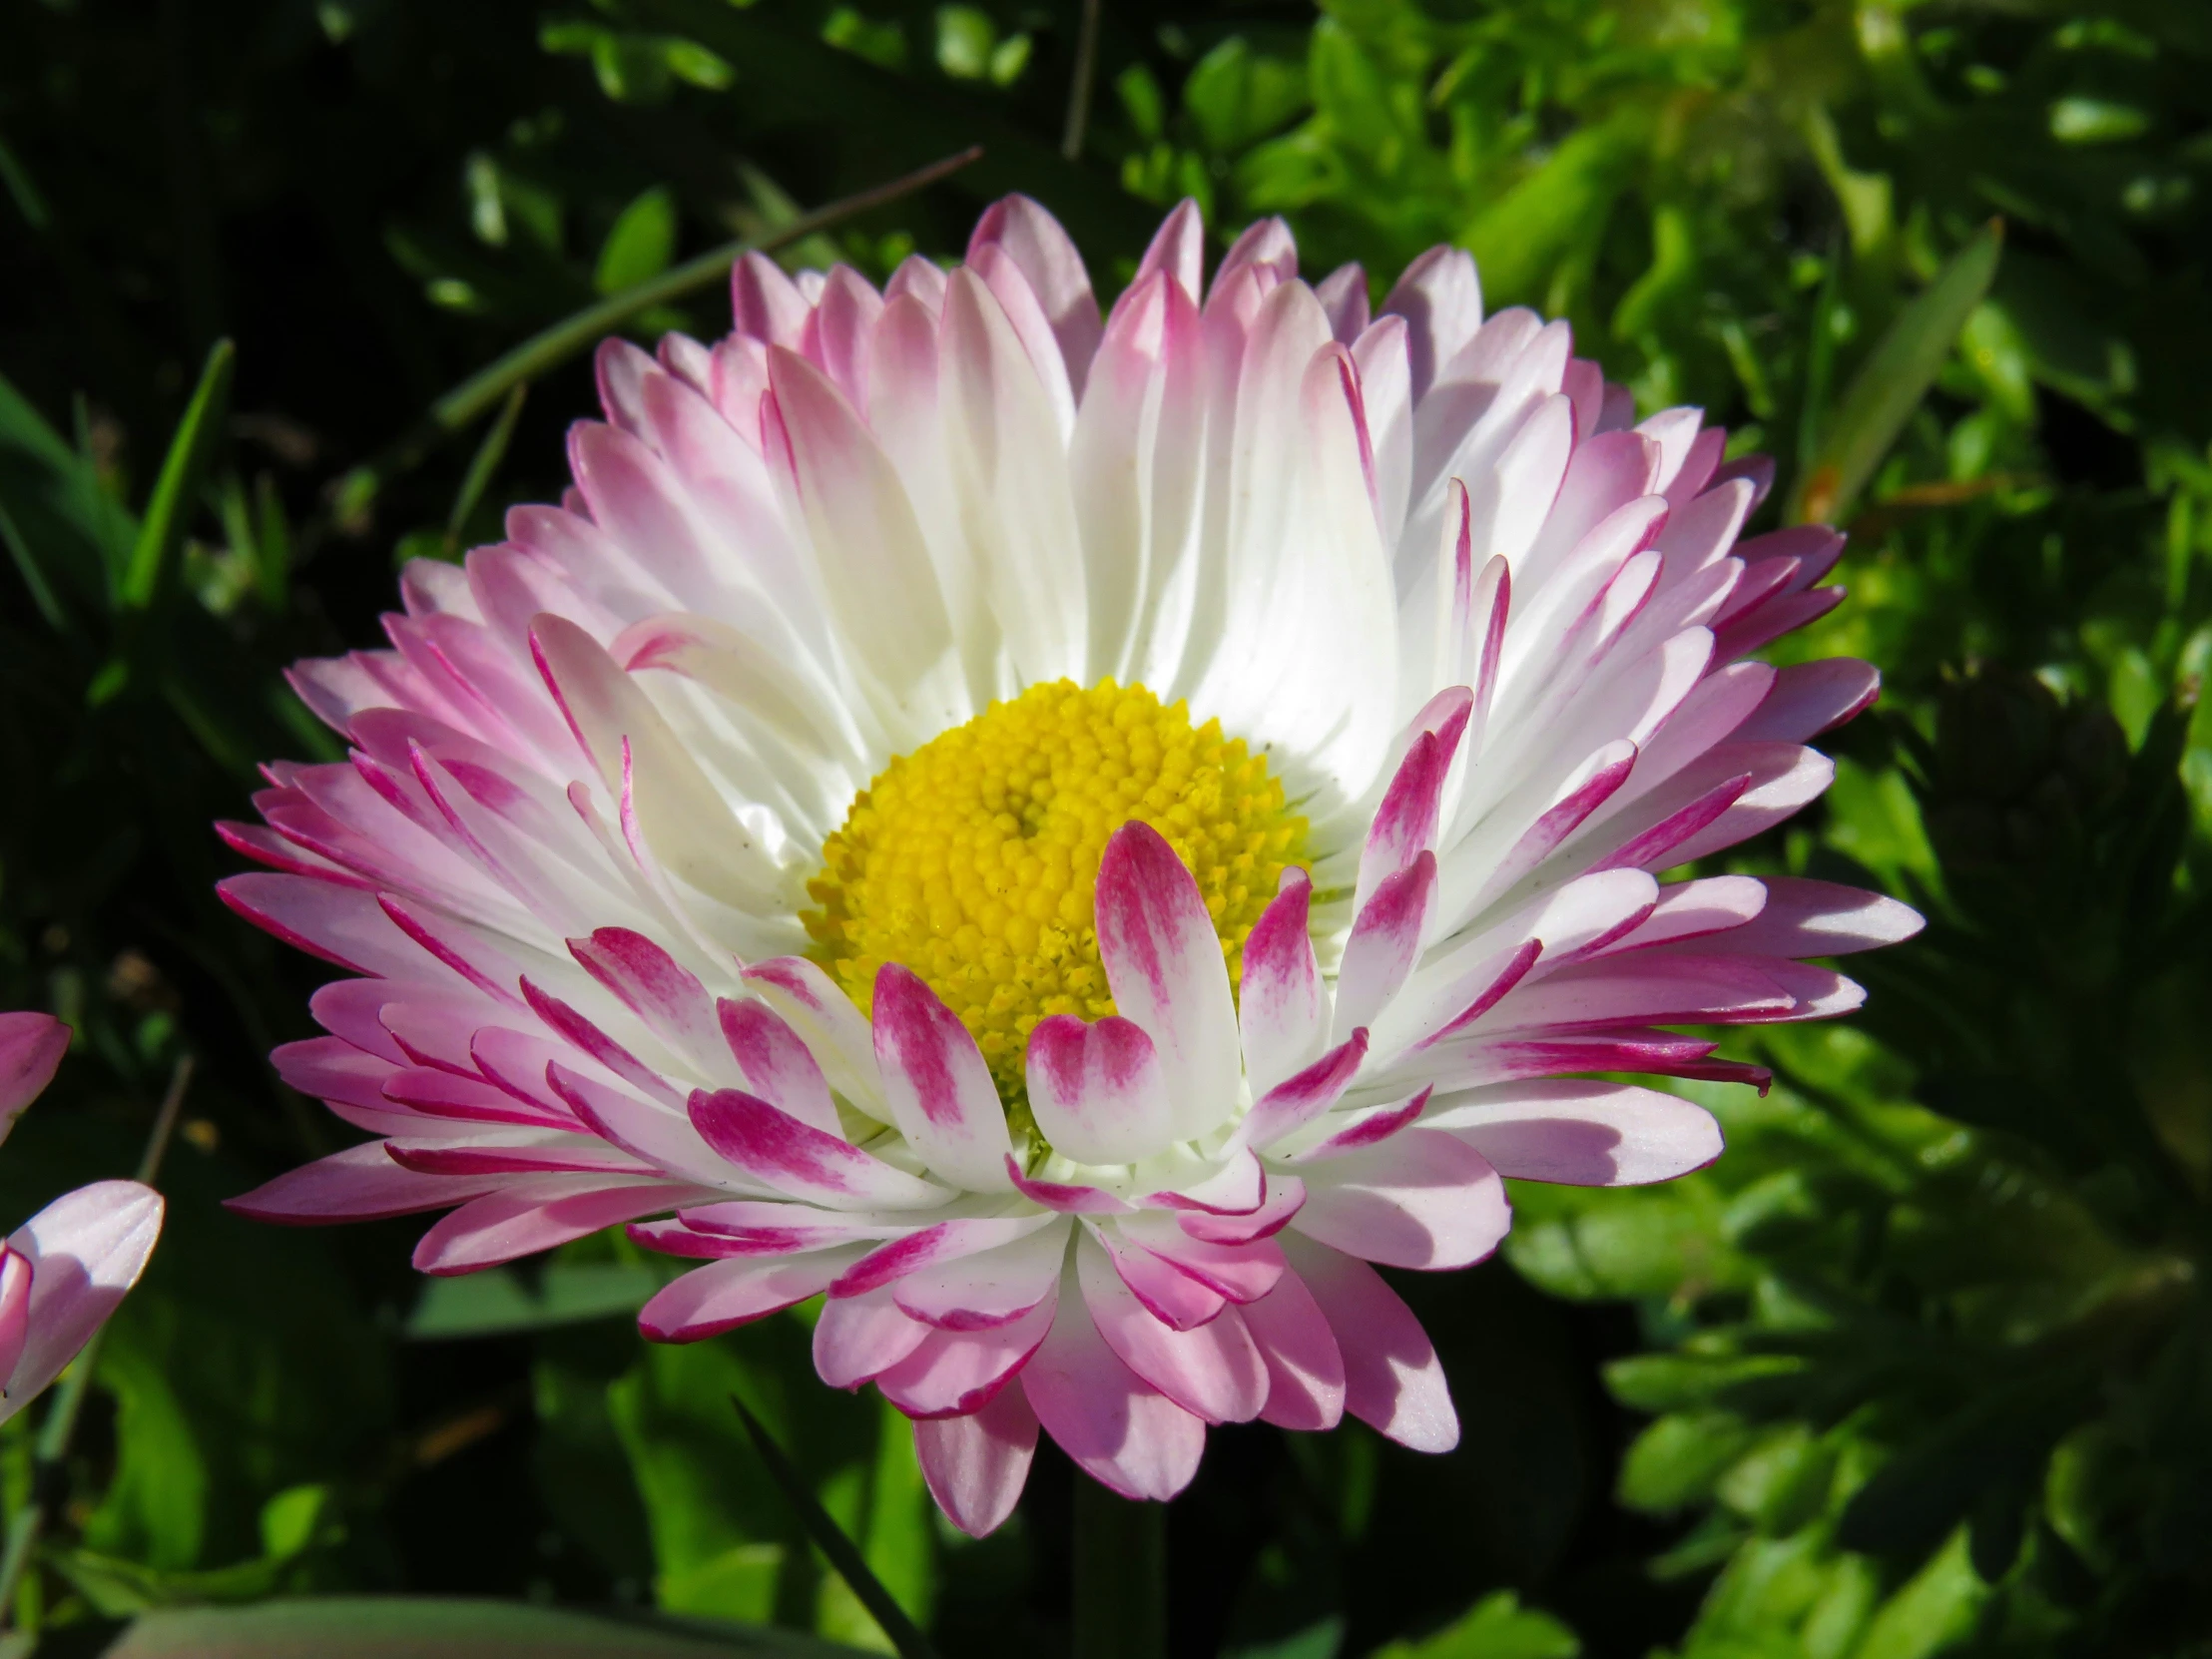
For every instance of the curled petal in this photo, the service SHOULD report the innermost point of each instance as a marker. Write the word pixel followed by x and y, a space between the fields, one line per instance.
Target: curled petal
pixel 81 1254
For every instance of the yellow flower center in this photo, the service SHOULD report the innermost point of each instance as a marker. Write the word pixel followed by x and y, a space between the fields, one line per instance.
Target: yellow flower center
pixel 973 861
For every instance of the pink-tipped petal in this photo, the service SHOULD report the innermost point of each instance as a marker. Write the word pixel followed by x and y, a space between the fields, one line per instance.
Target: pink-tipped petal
pixel 1178 247
pixel 857 1337
pixel 1385 942
pixel 792 1157
pixel 835 1033
pixel 1286 1196
pixel 1404 823
pixel 1047 258
pixel 1213 1370
pixel 536 1213
pixel 359 1184
pixel 1119 1429
pixel 1069 1198
pixel 1306 1369
pixel 937 1085
pixel 952 1372
pixel 1283 1010
pixel 990 1288
pixel 725 1295
pixel 975 1466
pixel 1804 918
pixel 778 1065
pixel 1098 1091
pixel 1164 965
pixel 1393 1378
pixel 1296 1101
pixel 1422 1199
pixel 932 1246
pixel 1586 1134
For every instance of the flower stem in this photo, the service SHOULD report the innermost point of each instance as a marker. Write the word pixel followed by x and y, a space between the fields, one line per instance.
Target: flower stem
pixel 1121 1569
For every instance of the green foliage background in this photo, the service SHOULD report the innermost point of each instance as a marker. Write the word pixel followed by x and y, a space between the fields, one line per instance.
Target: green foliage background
pixel 1924 1365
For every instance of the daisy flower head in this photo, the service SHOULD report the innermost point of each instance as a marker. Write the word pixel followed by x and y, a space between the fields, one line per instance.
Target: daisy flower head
pixel 1069 838
pixel 63 1272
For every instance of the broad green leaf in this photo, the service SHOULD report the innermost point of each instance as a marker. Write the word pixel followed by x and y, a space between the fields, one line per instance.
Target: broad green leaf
pixel 1239 96
pixel 712 1511
pixel 1520 238
pixel 1893 380
pixel 426 1627
pixel 1678 1459
pixel 500 1301
pixel 1679 1381
pixel 1496 1627
pixel 640 245
pixel 965 39
pixel 1935 1607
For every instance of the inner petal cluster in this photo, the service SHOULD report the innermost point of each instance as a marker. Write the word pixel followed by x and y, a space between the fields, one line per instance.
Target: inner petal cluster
pixel 973 861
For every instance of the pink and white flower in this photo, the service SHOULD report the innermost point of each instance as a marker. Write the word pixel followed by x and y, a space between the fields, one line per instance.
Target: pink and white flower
pixel 63 1272
pixel 1488 634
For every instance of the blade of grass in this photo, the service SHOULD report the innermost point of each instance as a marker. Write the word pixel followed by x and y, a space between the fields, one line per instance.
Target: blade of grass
pixel 577 332
pixel 484 464
pixel 26 565
pixel 830 1538
pixel 1079 84
pixel 178 487
pixel 1893 379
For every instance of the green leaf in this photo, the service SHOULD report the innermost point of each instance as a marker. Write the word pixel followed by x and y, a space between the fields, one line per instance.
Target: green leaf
pixel 499 1301
pixel 640 245
pixel 1496 1627
pixel 1678 1459
pixel 1238 96
pixel 965 38
pixel 1679 1381
pixel 428 1627
pixel 1520 238
pixel 1934 1608
pixel 716 1522
pixel 1893 379
pixel 177 490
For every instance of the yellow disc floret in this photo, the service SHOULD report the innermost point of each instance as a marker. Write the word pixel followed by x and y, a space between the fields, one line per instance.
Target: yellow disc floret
pixel 972 862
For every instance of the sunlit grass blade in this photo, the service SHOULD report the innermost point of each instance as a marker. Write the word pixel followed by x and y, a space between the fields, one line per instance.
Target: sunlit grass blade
pixel 1891 381
pixel 830 1538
